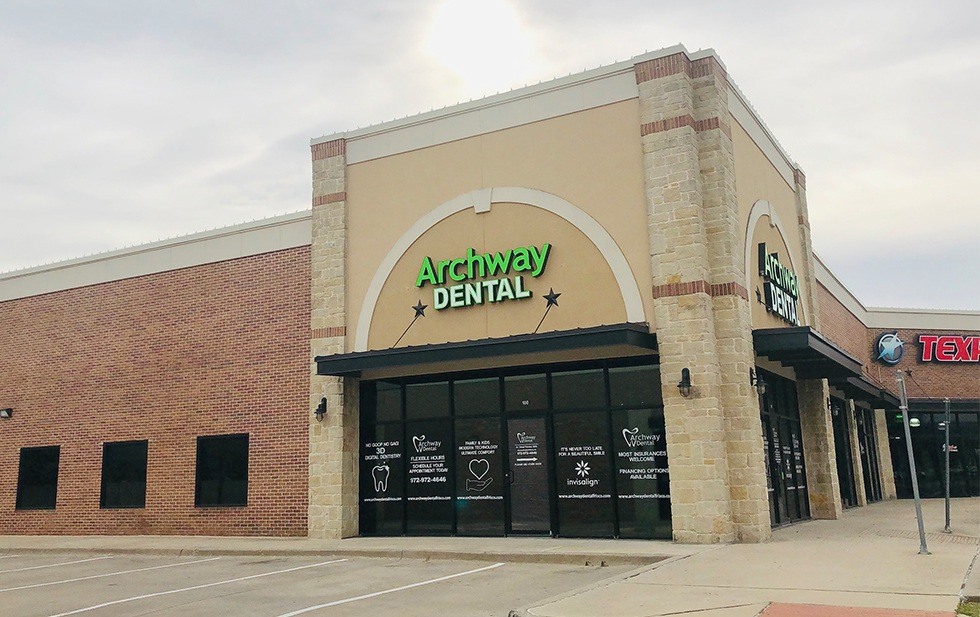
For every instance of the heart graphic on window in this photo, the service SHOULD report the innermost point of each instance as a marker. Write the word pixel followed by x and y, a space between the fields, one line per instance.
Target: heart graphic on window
pixel 479 467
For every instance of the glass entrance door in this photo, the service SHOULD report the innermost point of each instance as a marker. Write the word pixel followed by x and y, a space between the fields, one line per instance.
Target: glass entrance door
pixel 842 445
pixel 788 498
pixel 528 473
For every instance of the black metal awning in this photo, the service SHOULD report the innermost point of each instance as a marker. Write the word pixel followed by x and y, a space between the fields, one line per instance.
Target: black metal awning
pixel 628 339
pixel 863 389
pixel 805 350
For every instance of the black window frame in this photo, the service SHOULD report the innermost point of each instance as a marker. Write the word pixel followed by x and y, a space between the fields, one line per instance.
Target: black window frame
pixel 199 468
pixel 21 485
pixel 104 492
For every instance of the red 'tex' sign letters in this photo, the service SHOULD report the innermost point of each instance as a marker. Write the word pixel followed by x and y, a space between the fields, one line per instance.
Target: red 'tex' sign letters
pixel 950 348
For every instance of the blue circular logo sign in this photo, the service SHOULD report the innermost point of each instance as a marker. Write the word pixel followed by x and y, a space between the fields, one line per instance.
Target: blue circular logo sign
pixel 890 348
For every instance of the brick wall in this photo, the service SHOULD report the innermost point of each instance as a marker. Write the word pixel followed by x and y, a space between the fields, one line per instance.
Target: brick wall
pixel 957 380
pixel 928 380
pixel 841 326
pixel 214 349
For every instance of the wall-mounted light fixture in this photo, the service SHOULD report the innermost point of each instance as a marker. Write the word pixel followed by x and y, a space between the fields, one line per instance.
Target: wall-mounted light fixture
pixel 758 382
pixel 6 413
pixel 684 385
pixel 321 409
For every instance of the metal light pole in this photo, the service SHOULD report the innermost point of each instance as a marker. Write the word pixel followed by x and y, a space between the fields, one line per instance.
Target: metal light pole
pixel 946 450
pixel 923 549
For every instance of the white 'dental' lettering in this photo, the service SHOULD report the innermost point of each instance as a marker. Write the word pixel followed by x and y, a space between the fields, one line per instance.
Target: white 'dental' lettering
pixel 635 439
pixel 525 438
pixel 421 445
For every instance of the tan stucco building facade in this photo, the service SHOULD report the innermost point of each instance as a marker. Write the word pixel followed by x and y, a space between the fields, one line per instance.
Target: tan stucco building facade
pixel 586 308
pixel 653 183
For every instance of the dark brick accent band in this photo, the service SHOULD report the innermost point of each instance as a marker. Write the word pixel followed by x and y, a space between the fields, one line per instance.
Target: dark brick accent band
pixel 679 63
pixel 665 125
pixel 680 289
pixel 729 289
pixel 328 149
pixel 799 177
pixel 712 123
pixel 686 120
pixel 330 199
pixel 329 332
pixel 708 66
pixel 693 287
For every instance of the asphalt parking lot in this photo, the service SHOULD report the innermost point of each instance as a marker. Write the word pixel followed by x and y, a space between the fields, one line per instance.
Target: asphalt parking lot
pixel 58 585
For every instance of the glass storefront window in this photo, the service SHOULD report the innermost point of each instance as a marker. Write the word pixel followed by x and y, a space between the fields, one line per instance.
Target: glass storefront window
pixel 583 475
pixel 477 397
pixel 382 479
pixel 525 393
pixel 642 479
pixel 449 456
pixel 635 386
pixel 429 491
pixel 479 477
pixel 387 402
pixel 427 400
pixel 579 389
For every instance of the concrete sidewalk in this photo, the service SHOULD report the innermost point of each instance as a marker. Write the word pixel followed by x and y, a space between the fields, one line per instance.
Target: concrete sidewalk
pixel 867 559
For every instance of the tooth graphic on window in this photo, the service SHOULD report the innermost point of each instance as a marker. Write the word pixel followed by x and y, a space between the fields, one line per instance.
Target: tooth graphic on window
pixel 380 475
pixel 630 436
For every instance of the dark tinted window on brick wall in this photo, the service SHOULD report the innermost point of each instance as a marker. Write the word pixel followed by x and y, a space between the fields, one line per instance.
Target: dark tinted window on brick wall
pixel 37 478
pixel 222 471
pixel 124 474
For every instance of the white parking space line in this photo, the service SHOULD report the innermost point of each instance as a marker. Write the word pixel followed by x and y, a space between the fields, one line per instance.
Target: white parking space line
pixel 55 565
pixel 183 589
pixel 8 556
pixel 381 593
pixel 88 578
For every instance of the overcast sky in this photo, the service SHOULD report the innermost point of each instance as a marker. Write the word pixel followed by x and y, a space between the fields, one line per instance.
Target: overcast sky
pixel 127 122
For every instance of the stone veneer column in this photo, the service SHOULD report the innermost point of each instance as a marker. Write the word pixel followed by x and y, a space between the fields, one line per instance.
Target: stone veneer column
pixel 818 449
pixel 819 453
pixel 700 499
pixel 888 490
pixel 334 440
pixel 856 467
pixel 730 306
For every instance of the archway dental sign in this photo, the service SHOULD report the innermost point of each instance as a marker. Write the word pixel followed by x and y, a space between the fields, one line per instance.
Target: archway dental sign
pixel 468 270
pixel 782 286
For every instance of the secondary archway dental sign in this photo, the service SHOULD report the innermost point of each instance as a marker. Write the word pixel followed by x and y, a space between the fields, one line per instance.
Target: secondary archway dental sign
pixel 781 285
pixel 468 271
pixel 950 348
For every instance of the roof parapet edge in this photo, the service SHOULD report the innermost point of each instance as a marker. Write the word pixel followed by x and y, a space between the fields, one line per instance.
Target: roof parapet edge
pixel 516 94
pixel 200 236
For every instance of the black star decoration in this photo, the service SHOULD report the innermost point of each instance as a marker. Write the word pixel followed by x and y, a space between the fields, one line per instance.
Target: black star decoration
pixel 420 309
pixel 552 297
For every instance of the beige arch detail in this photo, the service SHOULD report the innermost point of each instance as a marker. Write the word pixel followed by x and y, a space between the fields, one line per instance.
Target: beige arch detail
pixel 480 201
pixel 760 209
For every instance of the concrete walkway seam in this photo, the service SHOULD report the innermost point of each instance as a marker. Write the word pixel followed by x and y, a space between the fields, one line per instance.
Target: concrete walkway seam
pixel 525 611
pixel 576 559
pixel 970 589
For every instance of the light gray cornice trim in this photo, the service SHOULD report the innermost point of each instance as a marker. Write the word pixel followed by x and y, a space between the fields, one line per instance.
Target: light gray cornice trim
pixel 244 240
pixel 587 90
pixel 897 318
